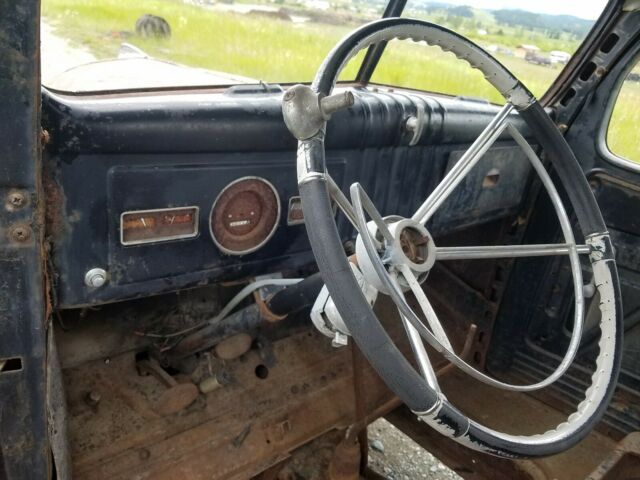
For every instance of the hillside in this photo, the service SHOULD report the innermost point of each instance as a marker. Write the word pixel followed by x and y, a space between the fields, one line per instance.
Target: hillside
pixel 505 27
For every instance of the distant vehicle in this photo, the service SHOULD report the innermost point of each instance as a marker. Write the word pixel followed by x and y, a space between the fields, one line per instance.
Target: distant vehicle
pixel 538 59
pixel 558 56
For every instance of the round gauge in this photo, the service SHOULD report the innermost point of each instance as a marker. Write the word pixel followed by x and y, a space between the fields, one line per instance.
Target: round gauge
pixel 245 215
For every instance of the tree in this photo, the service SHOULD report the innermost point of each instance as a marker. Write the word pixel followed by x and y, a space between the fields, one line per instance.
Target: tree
pixel 462 11
pixel 455 22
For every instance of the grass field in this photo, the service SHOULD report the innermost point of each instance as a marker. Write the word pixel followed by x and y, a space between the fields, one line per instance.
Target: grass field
pixel 623 136
pixel 429 68
pixel 280 51
pixel 268 49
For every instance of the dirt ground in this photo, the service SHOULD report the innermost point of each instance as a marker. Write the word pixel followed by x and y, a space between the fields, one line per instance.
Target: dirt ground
pixel 57 55
pixel 396 457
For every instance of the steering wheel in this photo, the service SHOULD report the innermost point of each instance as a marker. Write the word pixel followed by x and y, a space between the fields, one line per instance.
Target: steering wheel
pixel 395 254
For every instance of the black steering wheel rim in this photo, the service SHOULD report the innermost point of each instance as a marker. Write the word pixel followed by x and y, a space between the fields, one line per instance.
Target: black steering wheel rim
pixel 365 328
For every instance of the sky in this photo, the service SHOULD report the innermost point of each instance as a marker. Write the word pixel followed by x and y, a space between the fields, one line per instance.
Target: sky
pixel 589 9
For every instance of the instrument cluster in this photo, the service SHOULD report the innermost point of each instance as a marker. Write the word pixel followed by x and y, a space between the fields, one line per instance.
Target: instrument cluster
pixel 243 218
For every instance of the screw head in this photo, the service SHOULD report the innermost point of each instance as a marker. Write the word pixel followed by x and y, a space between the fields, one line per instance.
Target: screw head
pixel 20 233
pixel 95 278
pixel 144 454
pixel 93 398
pixel 16 199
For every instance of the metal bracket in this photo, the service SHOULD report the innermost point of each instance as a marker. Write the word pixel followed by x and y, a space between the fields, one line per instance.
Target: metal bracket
pixel 325 315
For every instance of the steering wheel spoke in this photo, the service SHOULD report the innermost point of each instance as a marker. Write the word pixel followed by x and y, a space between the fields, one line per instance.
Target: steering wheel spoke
pixel 342 201
pixel 508 251
pixel 469 159
pixel 425 306
pixel 362 203
pixel 417 346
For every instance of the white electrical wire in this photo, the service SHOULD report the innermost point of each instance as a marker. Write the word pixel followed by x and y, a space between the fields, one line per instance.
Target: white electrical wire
pixel 233 303
pixel 242 294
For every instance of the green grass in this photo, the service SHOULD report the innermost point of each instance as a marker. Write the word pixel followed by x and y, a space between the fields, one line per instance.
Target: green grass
pixel 429 68
pixel 267 49
pixel 279 51
pixel 623 136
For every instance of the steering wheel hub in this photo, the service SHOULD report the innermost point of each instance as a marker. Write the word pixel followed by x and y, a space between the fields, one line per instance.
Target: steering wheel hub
pixel 411 245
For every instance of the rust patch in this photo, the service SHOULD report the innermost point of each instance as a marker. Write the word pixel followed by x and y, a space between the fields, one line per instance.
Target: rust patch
pixel 414 245
pixel 277 431
pixel 265 312
pixel 623 462
pixel 345 463
pixel 54 202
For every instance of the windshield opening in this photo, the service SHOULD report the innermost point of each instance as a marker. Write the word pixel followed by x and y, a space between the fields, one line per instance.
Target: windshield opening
pixel 107 45
pixel 90 45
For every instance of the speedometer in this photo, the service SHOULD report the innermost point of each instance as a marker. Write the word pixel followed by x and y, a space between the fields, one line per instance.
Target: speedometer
pixel 245 215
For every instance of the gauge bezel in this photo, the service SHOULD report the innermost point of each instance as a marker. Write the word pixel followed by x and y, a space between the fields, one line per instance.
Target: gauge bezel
pixel 168 238
pixel 273 228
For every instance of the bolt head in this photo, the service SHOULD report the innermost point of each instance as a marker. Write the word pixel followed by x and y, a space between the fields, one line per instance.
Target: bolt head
pixel 95 278
pixel 411 124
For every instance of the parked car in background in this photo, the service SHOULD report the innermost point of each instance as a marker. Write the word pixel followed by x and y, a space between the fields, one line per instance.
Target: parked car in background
pixel 538 59
pixel 557 56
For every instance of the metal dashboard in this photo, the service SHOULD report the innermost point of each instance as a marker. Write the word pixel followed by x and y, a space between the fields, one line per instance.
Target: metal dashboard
pixel 109 156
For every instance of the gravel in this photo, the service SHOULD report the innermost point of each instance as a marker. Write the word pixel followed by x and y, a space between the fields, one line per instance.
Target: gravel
pixel 57 55
pixel 395 456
